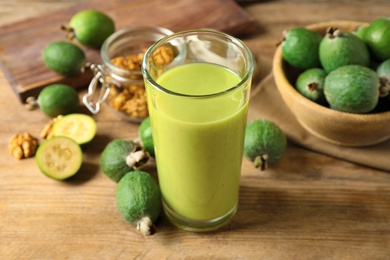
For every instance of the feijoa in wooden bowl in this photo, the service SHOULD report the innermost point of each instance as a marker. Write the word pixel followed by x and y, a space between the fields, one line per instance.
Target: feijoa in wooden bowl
pixel 340 128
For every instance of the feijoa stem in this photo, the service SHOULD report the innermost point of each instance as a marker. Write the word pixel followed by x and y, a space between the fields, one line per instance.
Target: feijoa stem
pixel 312 86
pixel 31 103
pixel 261 161
pixel 137 158
pixel 146 226
pixel 332 32
pixel 70 32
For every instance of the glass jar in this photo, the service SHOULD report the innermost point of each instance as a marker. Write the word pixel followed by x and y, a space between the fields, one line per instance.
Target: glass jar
pixel 118 80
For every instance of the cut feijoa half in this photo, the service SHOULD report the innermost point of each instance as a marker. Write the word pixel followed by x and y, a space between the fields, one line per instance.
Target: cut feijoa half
pixel 59 157
pixel 79 127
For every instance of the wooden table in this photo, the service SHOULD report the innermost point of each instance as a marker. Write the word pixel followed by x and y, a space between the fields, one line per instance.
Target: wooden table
pixel 309 206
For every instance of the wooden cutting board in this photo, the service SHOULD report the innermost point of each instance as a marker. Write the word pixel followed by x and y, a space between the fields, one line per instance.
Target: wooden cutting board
pixel 21 43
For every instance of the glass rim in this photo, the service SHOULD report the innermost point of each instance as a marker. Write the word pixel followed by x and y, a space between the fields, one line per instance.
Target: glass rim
pixel 236 41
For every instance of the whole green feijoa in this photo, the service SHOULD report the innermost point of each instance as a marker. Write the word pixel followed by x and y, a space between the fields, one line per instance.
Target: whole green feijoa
pixel 64 58
pixel 352 88
pixel 300 48
pixel 339 48
pixel 264 143
pixel 383 71
pixel 360 31
pixel 145 134
pixel 58 99
pixel 138 199
pixel 310 84
pixel 121 156
pixel 90 27
pixel 377 38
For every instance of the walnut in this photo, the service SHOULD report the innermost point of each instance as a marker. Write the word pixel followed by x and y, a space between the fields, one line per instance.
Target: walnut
pixel 163 55
pixel 47 132
pixel 22 145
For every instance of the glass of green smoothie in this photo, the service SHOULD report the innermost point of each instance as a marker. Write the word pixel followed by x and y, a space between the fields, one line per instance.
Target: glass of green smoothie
pixel 198 85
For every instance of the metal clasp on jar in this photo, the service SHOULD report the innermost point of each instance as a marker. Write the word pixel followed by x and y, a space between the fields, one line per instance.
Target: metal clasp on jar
pixel 97 84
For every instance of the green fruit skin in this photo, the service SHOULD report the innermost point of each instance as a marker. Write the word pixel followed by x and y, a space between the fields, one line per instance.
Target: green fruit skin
pixel 138 195
pixel 341 50
pixel 113 159
pixel 377 38
pixel 64 58
pixel 145 133
pixel 58 99
pixel 352 88
pixel 264 137
pixel 310 76
pixel 383 70
pixel 92 27
pixel 300 48
pixel 360 32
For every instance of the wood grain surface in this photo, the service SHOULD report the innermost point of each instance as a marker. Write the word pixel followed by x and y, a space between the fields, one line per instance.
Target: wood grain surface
pixel 25 40
pixel 308 206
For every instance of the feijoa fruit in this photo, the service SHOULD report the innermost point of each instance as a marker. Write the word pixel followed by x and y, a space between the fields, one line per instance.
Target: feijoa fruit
pixel 300 48
pixel 59 157
pixel 377 38
pixel 58 99
pixel 265 143
pixel 310 84
pixel 352 88
pixel 79 127
pixel 121 156
pixel 145 134
pixel 90 27
pixel 339 48
pixel 64 58
pixel 138 199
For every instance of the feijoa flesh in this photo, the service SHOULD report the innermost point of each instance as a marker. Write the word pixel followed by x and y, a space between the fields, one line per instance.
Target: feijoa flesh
pixel 265 143
pixel 145 134
pixel 90 27
pixel 310 84
pixel 377 38
pixel 138 199
pixel 58 99
pixel 340 48
pixel 352 88
pixel 64 58
pixel 300 48
pixel 79 127
pixel 59 157
pixel 121 156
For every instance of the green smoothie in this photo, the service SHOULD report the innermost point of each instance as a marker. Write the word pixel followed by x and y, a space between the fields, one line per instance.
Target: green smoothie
pixel 199 140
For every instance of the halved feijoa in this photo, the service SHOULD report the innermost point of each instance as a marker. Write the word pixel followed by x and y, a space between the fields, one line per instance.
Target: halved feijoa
pixel 79 127
pixel 59 158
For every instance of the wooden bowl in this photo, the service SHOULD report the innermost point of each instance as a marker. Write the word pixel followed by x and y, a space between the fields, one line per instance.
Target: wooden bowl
pixel 333 126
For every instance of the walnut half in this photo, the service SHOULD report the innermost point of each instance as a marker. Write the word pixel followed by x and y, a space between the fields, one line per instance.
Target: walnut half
pixel 22 145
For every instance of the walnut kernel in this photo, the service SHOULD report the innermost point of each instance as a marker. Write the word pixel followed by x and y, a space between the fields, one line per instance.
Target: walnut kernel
pixel 22 145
